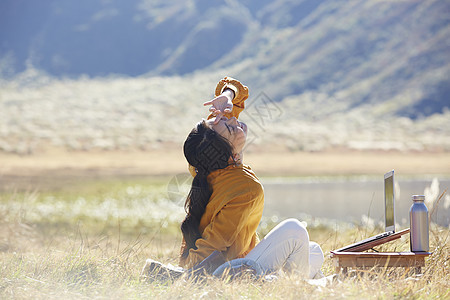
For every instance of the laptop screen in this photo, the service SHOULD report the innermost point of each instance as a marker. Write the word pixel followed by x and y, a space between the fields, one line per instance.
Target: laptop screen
pixel 389 201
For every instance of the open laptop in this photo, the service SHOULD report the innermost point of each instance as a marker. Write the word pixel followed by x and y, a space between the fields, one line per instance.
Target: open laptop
pixel 389 218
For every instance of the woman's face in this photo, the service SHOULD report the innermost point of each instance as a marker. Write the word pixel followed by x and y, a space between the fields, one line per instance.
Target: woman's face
pixel 231 129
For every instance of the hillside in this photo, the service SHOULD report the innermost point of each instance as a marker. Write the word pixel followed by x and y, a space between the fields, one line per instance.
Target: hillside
pixel 338 74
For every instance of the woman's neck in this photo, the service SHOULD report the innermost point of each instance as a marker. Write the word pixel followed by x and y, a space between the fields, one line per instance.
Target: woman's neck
pixel 238 158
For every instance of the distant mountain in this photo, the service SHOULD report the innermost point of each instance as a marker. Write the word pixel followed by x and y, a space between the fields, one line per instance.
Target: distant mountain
pixel 381 56
pixel 133 37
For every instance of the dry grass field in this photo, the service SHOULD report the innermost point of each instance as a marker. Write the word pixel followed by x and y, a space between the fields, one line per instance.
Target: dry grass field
pixel 84 167
pixel 80 226
pixel 61 245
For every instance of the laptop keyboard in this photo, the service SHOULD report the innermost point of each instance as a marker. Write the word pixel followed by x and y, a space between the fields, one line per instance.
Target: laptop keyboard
pixel 372 238
pixel 376 237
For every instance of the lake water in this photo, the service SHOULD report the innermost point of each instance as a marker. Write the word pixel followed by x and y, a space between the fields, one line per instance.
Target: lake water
pixel 347 199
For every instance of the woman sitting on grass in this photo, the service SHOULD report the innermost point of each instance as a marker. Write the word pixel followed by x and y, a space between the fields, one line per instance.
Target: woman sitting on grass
pixel 226 200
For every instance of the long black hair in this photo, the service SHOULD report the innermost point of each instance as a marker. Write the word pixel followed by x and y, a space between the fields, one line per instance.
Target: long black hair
pixel 206 151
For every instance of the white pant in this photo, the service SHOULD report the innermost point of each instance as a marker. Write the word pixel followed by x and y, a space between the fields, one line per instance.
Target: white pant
pixel 287 247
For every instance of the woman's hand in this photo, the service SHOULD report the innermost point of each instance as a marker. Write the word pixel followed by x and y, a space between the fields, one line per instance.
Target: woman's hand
pixel 221 105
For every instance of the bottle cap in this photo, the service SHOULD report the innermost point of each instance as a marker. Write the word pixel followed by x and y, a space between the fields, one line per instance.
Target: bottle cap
pixel 418 198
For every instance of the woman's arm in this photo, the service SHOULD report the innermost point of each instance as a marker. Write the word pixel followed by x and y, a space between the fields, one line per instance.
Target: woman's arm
pixel 238 215
pixel 229 101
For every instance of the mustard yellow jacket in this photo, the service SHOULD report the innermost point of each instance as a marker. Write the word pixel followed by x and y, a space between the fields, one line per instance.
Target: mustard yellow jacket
pixel 236 205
